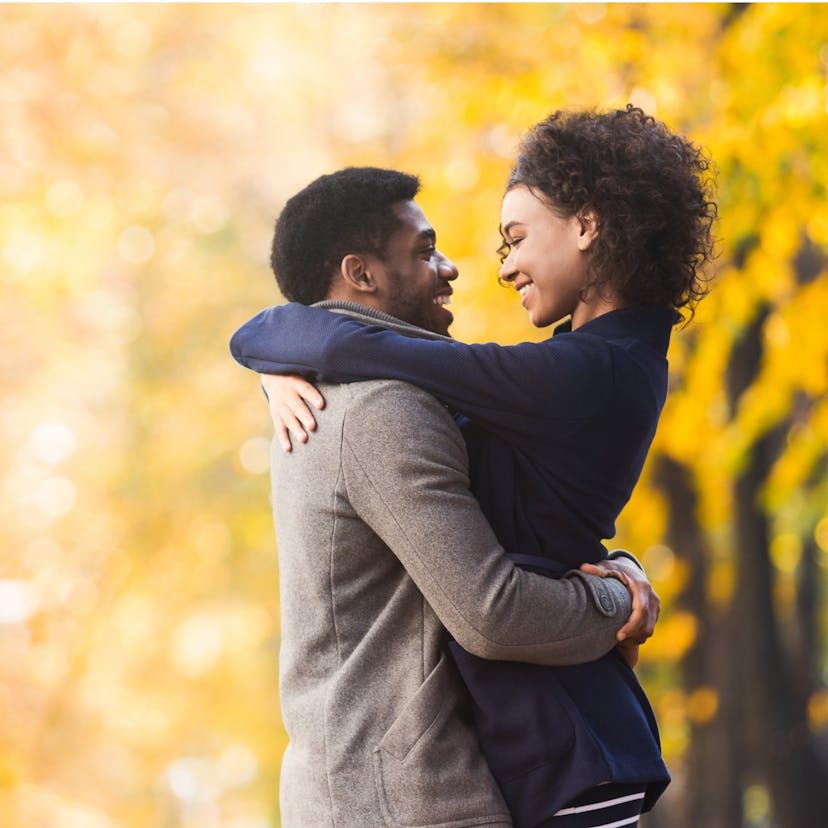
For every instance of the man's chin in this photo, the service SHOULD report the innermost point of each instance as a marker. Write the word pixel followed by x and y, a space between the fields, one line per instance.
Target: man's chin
pixel 441 321
pixel 437 320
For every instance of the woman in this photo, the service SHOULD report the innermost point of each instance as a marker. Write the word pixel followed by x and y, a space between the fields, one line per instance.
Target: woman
pixel 606 219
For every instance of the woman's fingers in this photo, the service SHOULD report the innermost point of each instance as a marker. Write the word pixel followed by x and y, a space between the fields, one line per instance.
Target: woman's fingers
pixel 290 398
pixel 283 436
pixel 284 418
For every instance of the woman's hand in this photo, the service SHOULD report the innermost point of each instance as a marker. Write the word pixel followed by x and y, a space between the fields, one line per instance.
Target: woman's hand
pixel 645 603
pixel 290 398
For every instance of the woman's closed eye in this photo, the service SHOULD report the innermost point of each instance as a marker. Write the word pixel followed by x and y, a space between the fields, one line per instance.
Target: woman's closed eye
pixel 507 246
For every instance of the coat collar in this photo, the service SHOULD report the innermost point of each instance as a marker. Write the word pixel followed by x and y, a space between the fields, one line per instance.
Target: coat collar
pixel 650 325
pixel 371 316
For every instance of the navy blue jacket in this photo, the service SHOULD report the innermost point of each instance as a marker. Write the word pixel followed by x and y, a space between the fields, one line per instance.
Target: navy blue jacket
pixel 557 434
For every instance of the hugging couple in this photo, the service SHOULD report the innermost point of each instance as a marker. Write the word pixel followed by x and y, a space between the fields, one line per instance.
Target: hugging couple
pixel 457 644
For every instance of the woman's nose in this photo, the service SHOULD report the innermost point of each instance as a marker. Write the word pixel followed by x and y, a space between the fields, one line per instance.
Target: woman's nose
pixel 508 271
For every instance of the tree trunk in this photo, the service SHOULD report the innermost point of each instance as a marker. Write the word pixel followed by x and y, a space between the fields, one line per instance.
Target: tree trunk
pixel 806 662
pixel 773 716
pixel 712 794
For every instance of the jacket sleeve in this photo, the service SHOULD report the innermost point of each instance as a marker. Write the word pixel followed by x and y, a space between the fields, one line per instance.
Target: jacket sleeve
pixel 414 494
pixel 516 389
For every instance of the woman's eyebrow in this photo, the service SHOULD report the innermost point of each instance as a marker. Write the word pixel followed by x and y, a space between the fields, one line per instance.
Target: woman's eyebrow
pixel 504 231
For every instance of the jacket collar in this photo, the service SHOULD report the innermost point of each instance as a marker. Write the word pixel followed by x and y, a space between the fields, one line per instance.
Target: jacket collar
pixel 649 325
pixel 371 316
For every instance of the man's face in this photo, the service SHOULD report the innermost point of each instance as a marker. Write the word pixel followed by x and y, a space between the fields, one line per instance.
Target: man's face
pixel 413 278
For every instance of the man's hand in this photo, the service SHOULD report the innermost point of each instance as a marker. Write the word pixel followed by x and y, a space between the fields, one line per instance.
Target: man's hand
pixel 290 398
pixel 645 603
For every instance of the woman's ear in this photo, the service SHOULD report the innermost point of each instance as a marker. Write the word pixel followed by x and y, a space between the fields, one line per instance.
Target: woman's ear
pixel 588 219
pixel 356 273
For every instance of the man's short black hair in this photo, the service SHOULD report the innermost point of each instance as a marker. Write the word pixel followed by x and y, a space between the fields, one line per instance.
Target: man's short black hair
pixel 348 211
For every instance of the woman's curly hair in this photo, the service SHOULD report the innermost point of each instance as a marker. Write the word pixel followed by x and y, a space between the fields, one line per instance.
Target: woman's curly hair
pixel 649 189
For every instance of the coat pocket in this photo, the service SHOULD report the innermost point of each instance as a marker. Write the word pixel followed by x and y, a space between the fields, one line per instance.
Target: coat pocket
pixel 429 768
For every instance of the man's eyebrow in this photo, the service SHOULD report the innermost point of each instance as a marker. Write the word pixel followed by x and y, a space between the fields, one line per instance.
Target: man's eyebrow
pixel 427 234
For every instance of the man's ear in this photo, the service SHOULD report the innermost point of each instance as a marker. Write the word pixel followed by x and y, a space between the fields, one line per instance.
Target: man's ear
pixel 355 271
pixel 588 219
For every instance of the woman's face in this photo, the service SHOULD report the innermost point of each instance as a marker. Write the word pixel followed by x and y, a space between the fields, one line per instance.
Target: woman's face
pixel 548 256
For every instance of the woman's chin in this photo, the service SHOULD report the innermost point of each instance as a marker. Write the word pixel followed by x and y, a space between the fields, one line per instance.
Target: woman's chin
pixel 537 319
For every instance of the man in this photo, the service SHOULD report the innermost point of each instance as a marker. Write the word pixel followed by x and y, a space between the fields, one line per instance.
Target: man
pixel 382 548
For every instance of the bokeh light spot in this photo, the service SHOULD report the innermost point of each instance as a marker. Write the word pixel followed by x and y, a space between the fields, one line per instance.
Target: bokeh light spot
pixel 237 766
pixel 702 705
pixel 254 455
pixel 193 779
pixel 645 99
pixel 197 644
pixel 785 552
pixel 136 245
pixel 818 710
pixel 24 251
pixel 502 141
pixel 462 173
pixel 18 601
pixel 53 442
pixel 757 804
pixel 660 562
pixel 821 535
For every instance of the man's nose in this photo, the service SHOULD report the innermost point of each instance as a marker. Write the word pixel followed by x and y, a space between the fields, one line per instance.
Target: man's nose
pixel 446 269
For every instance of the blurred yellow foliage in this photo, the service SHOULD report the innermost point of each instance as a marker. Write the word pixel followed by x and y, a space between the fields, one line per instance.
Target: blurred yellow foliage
pixel 676 634
pixel 702 705
pixel 818 709
pixel 144 153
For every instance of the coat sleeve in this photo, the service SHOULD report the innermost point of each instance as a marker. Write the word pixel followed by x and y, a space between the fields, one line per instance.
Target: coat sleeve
pixel 405 470
pixel 516 389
